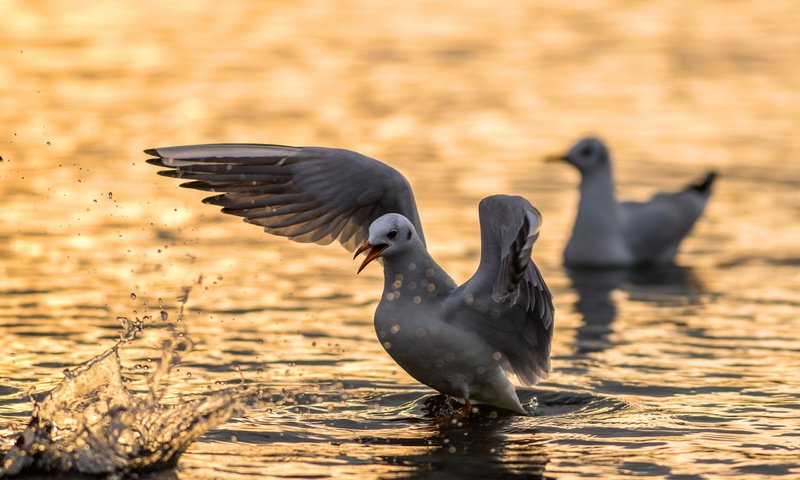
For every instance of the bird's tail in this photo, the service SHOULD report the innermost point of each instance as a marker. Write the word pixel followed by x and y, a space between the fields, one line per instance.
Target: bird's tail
pixel 704 186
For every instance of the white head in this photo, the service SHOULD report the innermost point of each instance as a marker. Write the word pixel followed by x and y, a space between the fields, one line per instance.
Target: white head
pixel 389 235
pixel 587 154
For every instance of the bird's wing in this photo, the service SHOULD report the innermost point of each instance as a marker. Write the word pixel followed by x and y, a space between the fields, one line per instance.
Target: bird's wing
pixel 507 302
pixel 308 194
pixel 656 227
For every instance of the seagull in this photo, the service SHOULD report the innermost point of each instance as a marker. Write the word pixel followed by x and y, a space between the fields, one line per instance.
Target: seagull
pixel 461 340
pixel 612 234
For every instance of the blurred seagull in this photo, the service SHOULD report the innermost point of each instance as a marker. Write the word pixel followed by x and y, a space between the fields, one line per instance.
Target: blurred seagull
pixel 608 233
pixel 459 340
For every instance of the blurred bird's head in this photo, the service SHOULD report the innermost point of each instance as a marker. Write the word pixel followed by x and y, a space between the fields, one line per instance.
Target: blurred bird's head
pixel 389 235
pixel 587 154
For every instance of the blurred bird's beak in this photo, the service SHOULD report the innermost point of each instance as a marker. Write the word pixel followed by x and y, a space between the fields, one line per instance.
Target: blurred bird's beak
pixel 555 158
pixel 373 252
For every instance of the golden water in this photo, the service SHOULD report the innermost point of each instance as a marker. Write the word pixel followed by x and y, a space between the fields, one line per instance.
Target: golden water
pixel 694 374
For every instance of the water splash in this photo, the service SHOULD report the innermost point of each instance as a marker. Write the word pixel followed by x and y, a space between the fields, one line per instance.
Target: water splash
pixel 91 423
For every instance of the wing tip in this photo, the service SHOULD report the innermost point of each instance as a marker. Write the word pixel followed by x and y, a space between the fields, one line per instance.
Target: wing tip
pixel 704 185
pixel 212 200
pixel 152 152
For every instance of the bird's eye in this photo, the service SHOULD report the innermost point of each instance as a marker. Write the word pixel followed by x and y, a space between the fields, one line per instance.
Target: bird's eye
pixel 392 234
pixel 586 151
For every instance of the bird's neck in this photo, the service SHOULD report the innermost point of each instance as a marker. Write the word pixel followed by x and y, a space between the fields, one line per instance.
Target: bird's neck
pixel 598 237
pixel 597 208
pixel 414 273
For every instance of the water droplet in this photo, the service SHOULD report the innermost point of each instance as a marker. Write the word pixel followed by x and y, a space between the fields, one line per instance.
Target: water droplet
pixel 133 296
pixel 497 356
pixel 387 345
pixel 164 316
pixel 48 144
pixel 395 329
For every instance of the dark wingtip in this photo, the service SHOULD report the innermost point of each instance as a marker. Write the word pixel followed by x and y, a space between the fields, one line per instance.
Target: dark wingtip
pixel 199 185
pixel 156 161
pixel 213 200
pixel 153 152
pixel 704 185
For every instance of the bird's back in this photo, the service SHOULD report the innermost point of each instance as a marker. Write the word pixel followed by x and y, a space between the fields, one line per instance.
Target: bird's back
pixel 653 230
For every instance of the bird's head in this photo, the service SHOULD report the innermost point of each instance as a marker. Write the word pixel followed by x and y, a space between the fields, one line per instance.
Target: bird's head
pixel 389 235
pixel 586 155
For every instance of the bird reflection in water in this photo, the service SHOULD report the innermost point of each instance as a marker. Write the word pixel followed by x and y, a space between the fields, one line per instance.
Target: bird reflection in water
pixel 479 447
pixel 598 308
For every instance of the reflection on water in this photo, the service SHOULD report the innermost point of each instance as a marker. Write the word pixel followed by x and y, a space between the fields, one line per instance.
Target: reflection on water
pixel 670 379
pixel 596 304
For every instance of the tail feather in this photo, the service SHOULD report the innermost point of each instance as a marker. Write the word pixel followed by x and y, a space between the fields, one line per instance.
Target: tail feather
pixel 704 186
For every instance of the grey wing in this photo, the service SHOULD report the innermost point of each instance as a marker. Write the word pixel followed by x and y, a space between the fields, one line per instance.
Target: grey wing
pixel 507 301
pixel 308 194
pixel 655 229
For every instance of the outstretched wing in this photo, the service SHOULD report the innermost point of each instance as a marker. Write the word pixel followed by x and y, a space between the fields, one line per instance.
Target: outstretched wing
pixel 655 229
pixel 308 194
pixel 507 301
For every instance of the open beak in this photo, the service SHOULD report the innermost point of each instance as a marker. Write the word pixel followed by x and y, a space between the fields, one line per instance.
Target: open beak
pixel 373 252
pixel 555 158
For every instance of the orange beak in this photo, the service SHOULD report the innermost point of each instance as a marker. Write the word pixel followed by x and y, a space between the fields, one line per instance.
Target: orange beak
pixel 373 253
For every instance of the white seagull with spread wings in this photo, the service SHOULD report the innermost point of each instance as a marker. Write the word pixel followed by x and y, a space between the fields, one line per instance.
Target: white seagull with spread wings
pixel 458 340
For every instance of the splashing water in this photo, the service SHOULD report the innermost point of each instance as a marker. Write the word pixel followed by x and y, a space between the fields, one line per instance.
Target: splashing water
pixel 92 423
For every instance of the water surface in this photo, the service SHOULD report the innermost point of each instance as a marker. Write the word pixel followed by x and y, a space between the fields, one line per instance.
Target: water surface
pixel 685 373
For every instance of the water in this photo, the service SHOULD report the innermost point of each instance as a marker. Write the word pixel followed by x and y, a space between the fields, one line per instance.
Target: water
pixel 92 423
pixel 689 373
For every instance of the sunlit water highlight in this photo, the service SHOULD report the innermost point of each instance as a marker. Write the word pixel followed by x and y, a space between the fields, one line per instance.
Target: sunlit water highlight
pixel 686 373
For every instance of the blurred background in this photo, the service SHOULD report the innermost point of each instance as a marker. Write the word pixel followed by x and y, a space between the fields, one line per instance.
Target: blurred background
pixel 690 372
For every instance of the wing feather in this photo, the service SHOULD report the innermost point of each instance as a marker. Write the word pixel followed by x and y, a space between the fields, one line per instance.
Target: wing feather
pixel 308 194
pixel 655 229
pixel 507 301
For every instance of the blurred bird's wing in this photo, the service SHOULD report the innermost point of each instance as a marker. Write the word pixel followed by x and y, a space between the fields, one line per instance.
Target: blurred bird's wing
pixel 308 194
pixel 506 302
pixel 655 228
